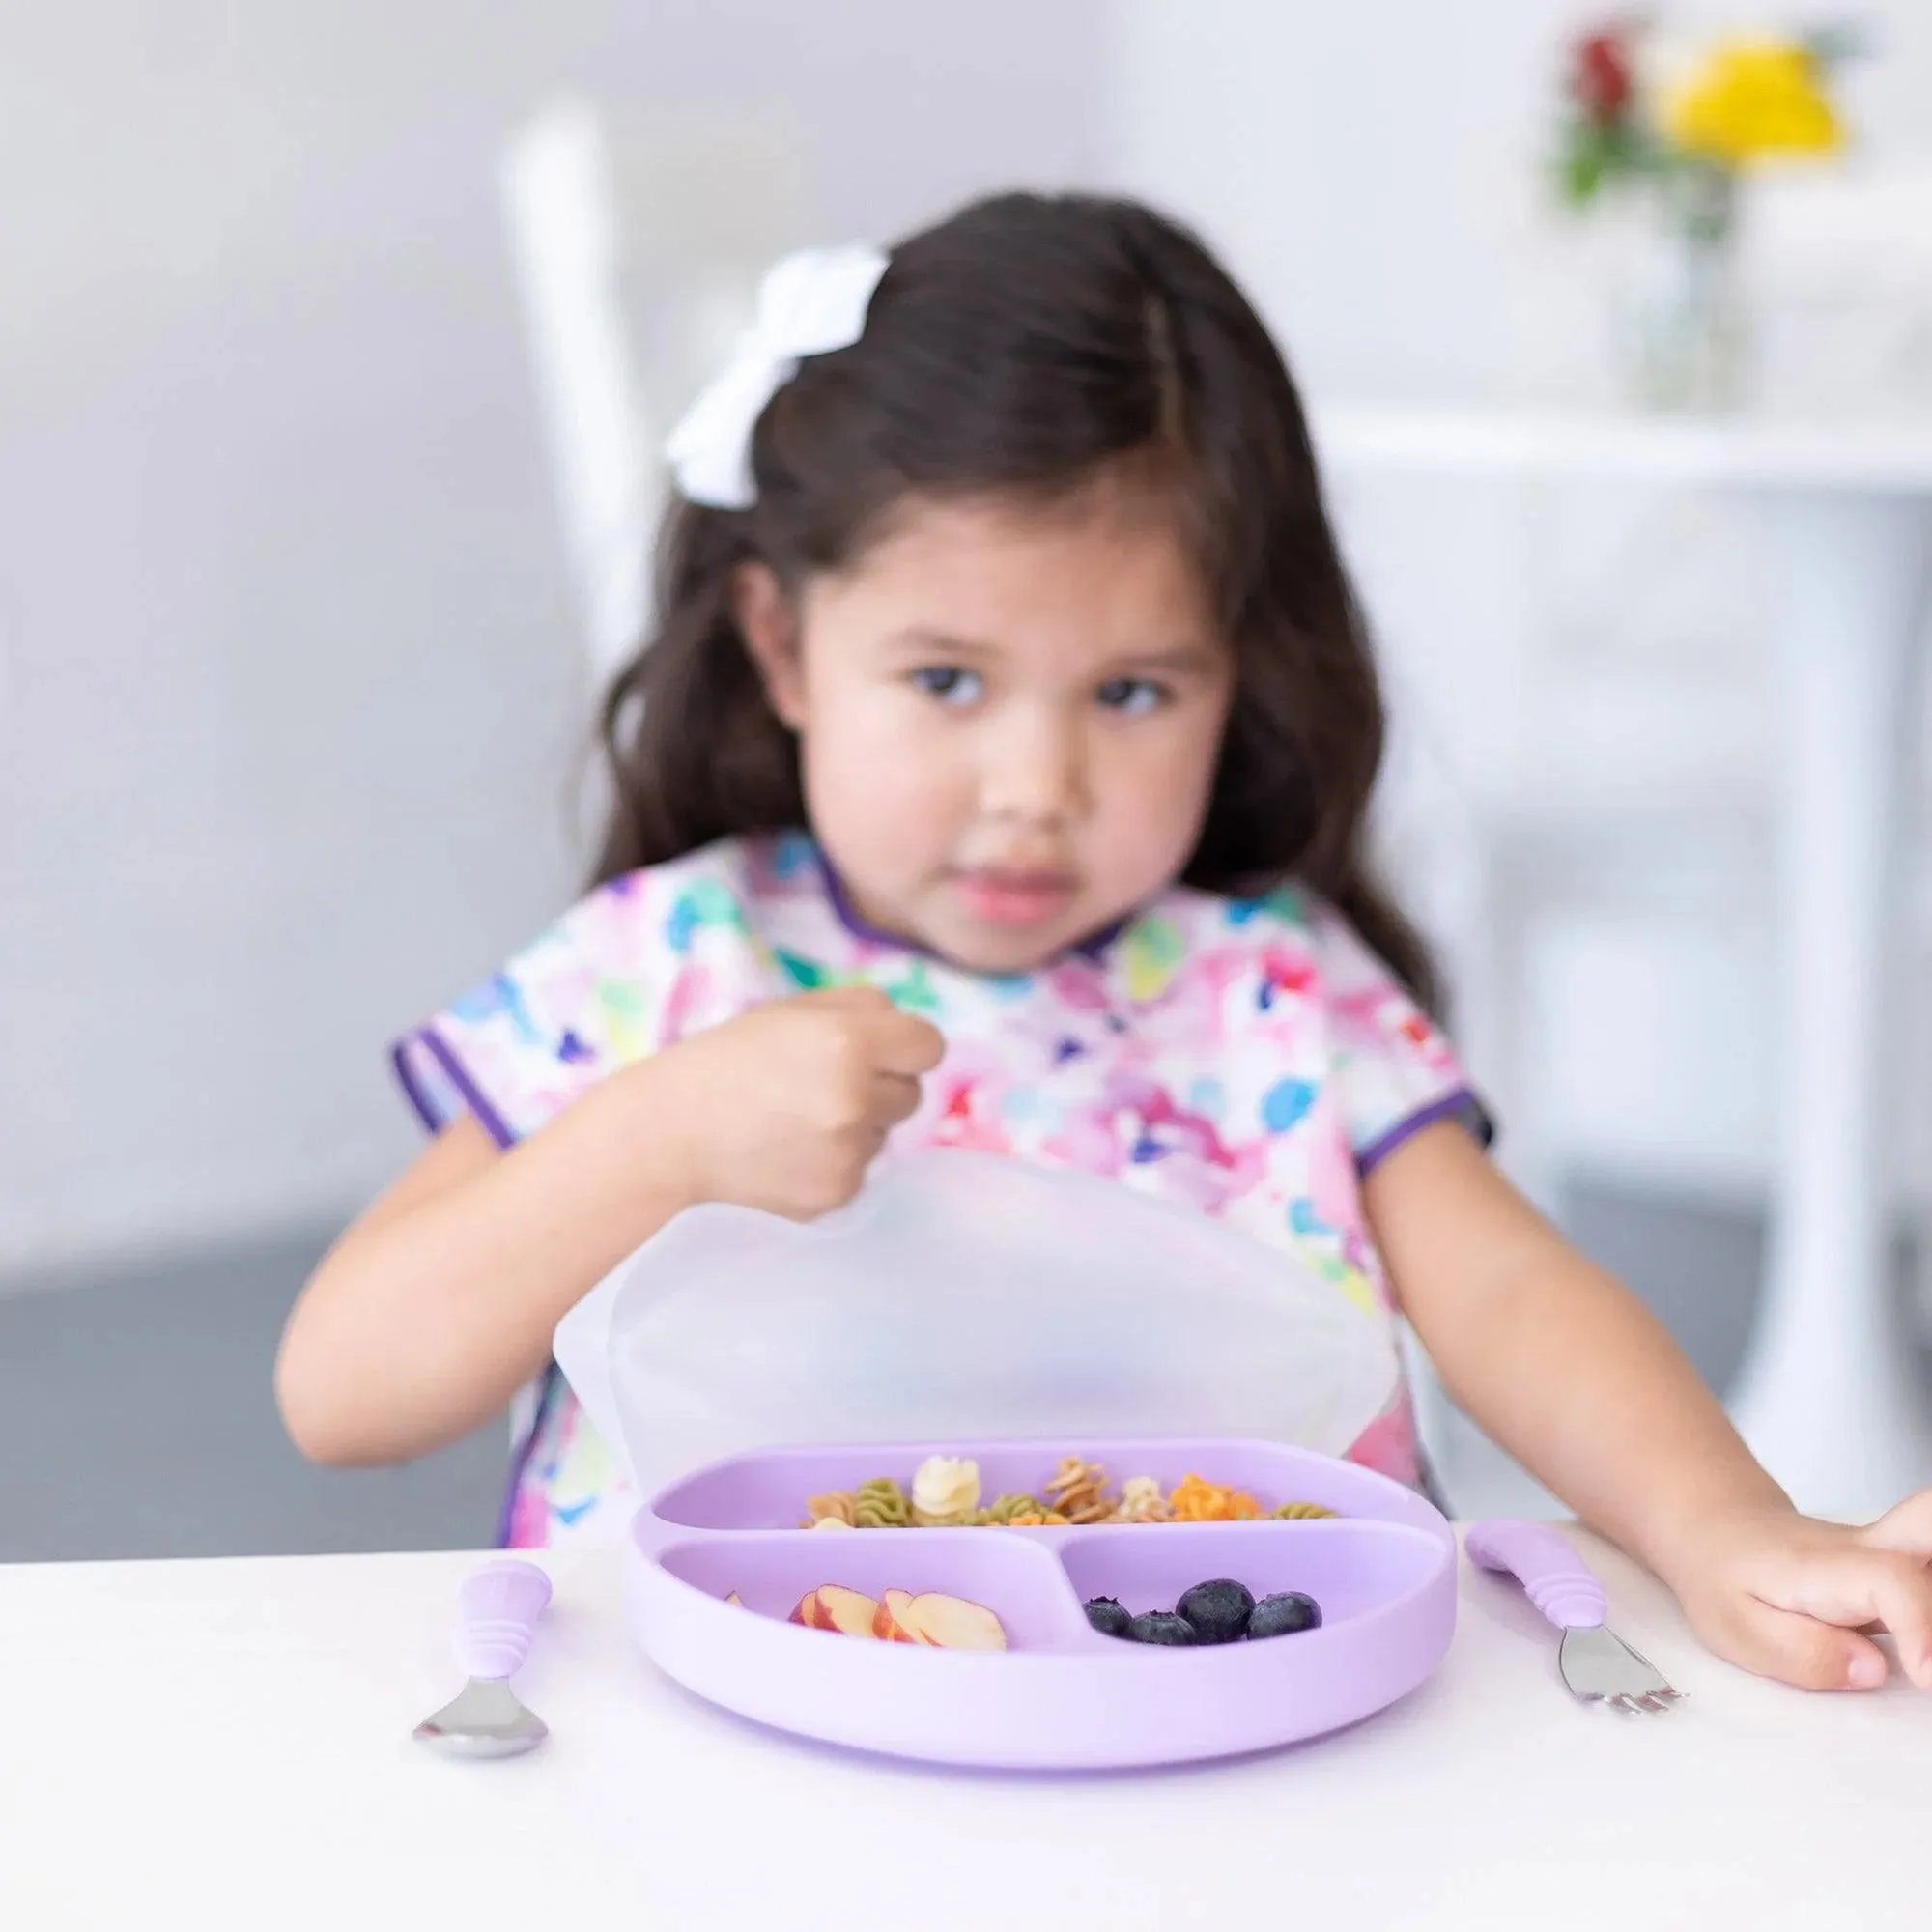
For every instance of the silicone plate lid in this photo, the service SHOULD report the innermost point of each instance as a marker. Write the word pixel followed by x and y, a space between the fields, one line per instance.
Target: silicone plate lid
pixel 967 1295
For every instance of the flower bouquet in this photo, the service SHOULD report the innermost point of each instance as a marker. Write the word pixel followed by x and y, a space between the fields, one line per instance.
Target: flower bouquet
pixel 1677 128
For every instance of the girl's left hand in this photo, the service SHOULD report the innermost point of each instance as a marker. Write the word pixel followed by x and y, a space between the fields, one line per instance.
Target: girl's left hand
pixel 1790 1597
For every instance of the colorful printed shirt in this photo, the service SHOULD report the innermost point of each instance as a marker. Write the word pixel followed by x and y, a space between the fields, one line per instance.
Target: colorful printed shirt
pixel 1250 1059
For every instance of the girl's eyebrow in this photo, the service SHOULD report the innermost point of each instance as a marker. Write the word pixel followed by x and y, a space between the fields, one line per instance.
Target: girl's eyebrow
pixel 1184 660
pixel 1176 661
pixel 921 642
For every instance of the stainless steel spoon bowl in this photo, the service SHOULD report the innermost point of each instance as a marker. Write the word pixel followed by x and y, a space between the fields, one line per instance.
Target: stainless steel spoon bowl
pixel 497 1613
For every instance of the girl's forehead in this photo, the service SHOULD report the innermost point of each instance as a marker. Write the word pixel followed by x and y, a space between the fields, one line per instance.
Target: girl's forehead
pixel 1102 573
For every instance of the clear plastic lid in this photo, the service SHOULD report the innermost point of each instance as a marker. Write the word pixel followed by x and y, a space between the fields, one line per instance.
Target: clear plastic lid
pixel 966 1296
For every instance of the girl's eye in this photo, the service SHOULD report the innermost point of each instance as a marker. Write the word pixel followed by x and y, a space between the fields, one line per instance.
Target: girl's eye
pixel 951 684
pixel 1131 696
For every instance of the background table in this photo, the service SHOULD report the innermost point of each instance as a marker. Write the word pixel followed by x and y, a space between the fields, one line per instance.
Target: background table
pixel 1825 1397
pixel 232 1738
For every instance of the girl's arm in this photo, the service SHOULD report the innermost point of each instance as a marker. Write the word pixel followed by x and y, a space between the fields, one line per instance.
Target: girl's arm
pixel 439 1302
pixel 1570 1373
pixel 441 1299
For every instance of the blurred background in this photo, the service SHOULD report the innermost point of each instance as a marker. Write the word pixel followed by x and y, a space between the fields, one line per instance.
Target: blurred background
pixel 334 346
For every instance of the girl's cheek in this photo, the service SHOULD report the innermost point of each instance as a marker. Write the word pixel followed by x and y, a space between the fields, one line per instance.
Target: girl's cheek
pixel 907 752
pixel 1169 766
pixel 905 738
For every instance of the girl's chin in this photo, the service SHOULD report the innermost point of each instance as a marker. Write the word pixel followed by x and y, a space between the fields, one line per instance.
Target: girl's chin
pixel 1000 947
pixel 980 928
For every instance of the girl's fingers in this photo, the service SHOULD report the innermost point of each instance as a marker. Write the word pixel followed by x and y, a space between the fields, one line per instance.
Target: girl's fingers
pixel 905 1045
pixel 893 1041
pixel 1901 1595
pixel 897 1097
pixel 843 1000
pixel 884 1036
pixel 1797 1649
pixel 1906 1527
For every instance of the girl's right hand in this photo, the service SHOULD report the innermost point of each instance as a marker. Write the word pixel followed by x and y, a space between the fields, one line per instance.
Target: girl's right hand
pixel 786 1106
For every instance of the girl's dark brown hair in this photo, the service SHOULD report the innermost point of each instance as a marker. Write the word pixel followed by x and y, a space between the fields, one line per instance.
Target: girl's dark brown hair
pixel 1035 345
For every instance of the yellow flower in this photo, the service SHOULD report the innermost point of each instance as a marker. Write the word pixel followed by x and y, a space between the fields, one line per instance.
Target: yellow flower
pixel 1752 99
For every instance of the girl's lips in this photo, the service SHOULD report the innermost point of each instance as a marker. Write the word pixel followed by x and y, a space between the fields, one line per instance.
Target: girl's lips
pixel 1014 898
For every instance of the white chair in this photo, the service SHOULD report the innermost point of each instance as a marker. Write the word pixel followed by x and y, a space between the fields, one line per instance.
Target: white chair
pixel 637 241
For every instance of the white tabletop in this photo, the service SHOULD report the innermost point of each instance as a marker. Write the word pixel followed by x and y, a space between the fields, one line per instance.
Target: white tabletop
pixel 234 1737
pixel 1722 452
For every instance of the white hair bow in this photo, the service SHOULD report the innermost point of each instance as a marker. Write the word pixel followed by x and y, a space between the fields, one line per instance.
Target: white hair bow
pixel 808 304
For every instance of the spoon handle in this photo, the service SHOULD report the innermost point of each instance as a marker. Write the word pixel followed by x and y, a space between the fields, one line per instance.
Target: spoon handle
pixel 496 1612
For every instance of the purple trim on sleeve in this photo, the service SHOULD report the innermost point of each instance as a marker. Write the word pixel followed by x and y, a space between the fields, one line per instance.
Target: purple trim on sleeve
pixel 412 1089
pixel 494 1123
pixel 1461 1105
pixel 498 1129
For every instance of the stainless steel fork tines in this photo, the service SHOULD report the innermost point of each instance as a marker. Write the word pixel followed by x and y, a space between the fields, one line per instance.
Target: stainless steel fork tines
pixel 1596 1665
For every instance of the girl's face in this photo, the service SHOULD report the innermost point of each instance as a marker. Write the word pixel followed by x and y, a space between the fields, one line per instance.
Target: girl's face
pixel 1009 719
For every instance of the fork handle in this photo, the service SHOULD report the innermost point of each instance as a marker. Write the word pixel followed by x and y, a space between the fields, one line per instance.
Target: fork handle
pixel 496 1612
pixel 1553 1576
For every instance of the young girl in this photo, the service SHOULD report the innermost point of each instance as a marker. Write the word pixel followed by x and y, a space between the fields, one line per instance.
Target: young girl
pixel 997 777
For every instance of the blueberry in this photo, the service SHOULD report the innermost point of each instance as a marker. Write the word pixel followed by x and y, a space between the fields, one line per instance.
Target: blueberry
pixel 1107 1616
pixel 1285 1613
pixel 1217 1610
pixel 1161 1627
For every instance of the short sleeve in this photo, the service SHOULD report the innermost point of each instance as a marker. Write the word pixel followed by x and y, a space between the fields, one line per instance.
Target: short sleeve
pixel 1395 1071
pixel 582 1000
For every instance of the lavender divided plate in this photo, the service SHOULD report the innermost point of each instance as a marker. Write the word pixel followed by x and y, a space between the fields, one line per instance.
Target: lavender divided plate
pixel 1061 1696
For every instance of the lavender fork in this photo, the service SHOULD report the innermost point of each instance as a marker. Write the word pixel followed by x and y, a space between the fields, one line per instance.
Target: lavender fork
pixel 1594 1661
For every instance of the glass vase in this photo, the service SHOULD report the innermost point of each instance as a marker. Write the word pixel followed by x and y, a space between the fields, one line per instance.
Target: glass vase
pixel 1684 327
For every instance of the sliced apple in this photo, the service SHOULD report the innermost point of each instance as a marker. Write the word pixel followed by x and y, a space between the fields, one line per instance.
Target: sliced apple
pixel 951 1623
pixel 808 1612
pixel 734 1597
pixel 891 1623
pixel 850 1612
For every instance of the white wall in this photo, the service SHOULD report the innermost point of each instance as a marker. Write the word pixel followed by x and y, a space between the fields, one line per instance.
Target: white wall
pixel 1374 173
pixel 289 673
pixel 290 685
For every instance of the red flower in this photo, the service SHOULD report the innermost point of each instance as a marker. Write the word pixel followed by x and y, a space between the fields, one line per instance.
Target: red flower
pixel 1601 81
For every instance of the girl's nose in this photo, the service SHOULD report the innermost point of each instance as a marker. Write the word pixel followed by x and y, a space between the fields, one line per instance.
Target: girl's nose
pixel 1036 770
